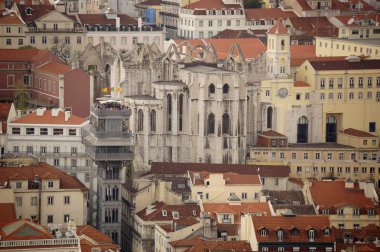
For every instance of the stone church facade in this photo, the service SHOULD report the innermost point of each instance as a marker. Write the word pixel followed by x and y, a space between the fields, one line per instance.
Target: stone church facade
pixel 189 106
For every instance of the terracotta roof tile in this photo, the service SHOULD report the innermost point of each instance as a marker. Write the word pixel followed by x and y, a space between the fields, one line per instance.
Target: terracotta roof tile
pixel 182 168
pixel 94 234
pixel 101 19
pixel 301 84
pixel 66 181
pixel 22 54
pixel 212 4
pixel 10 19
pixel 278 28
pixel 346 6
pixel 231 229
pixel 38 11
pixel 151 3
pixel 53 68
pixel 357 17
pixel 47 118
pixel 304 5
pixel 272 133
pixel 8 213
pixel 267 14
pixel 237 210
pixel 4 111
pixel 333 195
pixel 155 212
pixel 24 230
pixel 250 47
pixel 232 178
pixel 320 65
pixel 220 246
pixel 300 53
pixel 227 33
pixel 356 133
pixel 287 223
pixel 316 26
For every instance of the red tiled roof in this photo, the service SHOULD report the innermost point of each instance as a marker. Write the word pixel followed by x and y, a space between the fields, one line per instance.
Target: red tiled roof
pixel 232 178
pixel 250 47
pixel 301 84
pixel 316 26
pixel 29 172
pixel 8 213
pixel 231 229
pixel 356 133
pixel 211 4
pixel 237 210
pixel 272 133
pixel 199 245
pixel 278 28
pixel 4 111
pixel 47 118
pixel 102 241
pixel 151 3
pixel 101 19
pixel 156 212
pixel 53 68
pixel 267 13
pixel 22 54
pixel 227 33
pixel 296 181
pixel 358 17
pixel 15 231
pixel 320 65
pixel 304 5
pixel 287 223
pixel 346 6
pixel 182 168
pixel 300 53
pixel 333 195
pixel 11 19
pixel 38 11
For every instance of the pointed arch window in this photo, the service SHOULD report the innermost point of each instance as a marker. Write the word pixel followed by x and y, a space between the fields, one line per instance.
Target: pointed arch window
pixel 140 120
pixel 225 124
pixel 169 107
pixel 211 124
pixel 302 130
pixel 269 117
pixel 153 120
pixel 282 44
pixel 180 112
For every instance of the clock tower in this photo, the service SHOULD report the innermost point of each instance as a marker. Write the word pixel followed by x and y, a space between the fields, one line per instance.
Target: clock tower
pixel 278 52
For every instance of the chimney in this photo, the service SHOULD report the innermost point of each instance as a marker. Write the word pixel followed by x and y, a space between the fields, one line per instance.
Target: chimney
pixel 55 112
pixel 117 23
pixel 40 111
pixel 139 23
pixel 67 115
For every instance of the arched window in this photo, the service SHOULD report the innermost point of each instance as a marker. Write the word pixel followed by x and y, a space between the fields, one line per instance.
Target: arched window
pixel 169 104
pixel 153 120
pixel 225 124
pixel 140 120
pixel 282 44
pixel 211 124
pixel 115 193
pixel 180 112
pixel 211 89
pixel 269 117
pixel 226 88
pixel 302 130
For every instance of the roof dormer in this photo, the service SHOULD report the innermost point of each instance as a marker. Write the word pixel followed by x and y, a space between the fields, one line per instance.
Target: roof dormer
pixel 29 11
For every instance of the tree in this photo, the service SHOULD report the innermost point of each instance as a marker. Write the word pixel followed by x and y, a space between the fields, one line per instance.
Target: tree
pixel 22 96
pixel 252 4
pixel 27 47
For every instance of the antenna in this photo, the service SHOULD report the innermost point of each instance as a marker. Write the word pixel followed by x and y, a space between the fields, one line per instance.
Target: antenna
pixel 351 21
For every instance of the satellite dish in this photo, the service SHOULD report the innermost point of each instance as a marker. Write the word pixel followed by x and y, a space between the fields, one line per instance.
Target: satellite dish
pixel 56 1
pixel 351 21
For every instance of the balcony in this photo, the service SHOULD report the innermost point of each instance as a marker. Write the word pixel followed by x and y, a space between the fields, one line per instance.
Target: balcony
pixel 104 134
pixel 168 14
pixel 40 242
pixel 62 30
pixel 121 111
pixel 102 156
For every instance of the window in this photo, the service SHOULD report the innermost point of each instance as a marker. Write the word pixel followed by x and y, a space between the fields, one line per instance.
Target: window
pixel 73 163
pixel 15 149
pixel 360 82
pixel 294 155
pixel 210 23
pixel 55 27
pixel 18 185
pixel 50 219
pixel 211 124
pixel 322 83
pixel 369 95
pixel 352 84
pixel 341 156
pixel 18 201
pixel 307 96
pixel 8 29
pixel 340 226
pixel 244 195
pixel 340 82
pixel 311 235
pixel 356 212
pixel 317 156
pixel 16 131
pixel 33 201
pixel 299 169
pixel 298 96
pixel 43 131
pixel 44 40
pixel 372 127
pixel 72 132
pixel 325 211
pixel 50 200
pixel 371 212
pixel 360 95
pixel 201 34
pixel 67 40
pixel 356 226
pixel 322 96
pixel 32 40
pixel 201 23
pixel 331 96
pixel 140 120
pixel 57 132
pixel 66 218
pixel 30 131
pixel 20 42
pixel 56 162
pixel 228 22
pixel 331 83
pixel 340 212
pixel 306 155
pixel 263 232
pixel 369 82
pixel 29 149
pixel 66 200
pixel 280 235
pixel 50 184
pixel 329 156
pixel 9 41
pixel 351 96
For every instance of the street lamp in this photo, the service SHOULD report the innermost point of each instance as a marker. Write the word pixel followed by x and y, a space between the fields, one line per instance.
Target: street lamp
pixel 37 180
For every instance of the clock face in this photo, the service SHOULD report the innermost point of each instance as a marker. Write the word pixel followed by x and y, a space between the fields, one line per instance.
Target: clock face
pixel 283 92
